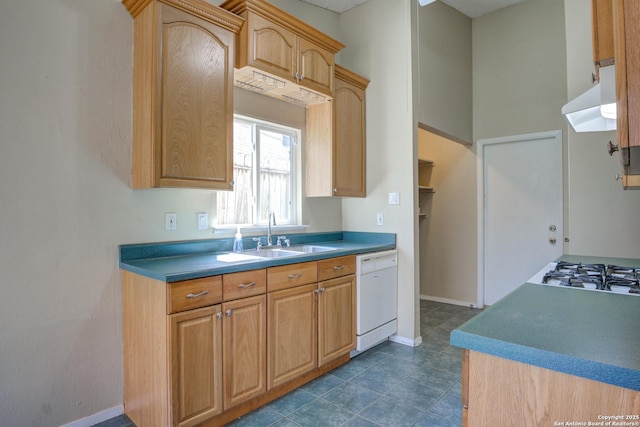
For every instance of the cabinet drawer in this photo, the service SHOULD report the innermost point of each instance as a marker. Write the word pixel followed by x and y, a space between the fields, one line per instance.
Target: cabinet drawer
pixel 336 267
pixel 288 276
pixel 196 293
pixel 244 284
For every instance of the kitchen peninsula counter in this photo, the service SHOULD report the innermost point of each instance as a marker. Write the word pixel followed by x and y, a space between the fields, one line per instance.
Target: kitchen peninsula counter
pixel 559 347
pixel 184 260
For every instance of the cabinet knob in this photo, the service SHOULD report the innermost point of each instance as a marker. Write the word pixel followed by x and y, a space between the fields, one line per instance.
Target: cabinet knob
pixel 611 148
pixel 228 312
pixel 219 315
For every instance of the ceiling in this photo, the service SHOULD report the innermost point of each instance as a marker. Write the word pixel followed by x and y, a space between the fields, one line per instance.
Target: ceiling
pixel 471 8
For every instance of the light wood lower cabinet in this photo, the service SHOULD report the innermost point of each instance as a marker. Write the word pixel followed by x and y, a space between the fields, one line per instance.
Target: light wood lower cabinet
pixel 206 351
pixel 292 334
pixel 196 365
pixel 336 318
pixel 244 344
pixel 501 392
pixel 310 324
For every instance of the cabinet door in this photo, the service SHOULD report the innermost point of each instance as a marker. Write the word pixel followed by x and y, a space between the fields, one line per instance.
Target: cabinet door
pixel 271 48
pixel 349 145
pixel 315 67
pixel 292 334
pixel 336 318
pixel 626 30
pixel 196 365
pixel 245 362
pixel 602 21
pixel 196 139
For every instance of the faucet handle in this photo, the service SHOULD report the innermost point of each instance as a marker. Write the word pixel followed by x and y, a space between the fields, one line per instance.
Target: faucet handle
pixel 257 239
pixel 283 239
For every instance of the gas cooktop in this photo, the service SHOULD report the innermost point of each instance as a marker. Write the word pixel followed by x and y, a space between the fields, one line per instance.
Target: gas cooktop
pixel 595 277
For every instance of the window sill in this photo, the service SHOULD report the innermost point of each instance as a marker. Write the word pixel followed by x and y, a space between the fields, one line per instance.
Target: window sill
pixel 250 229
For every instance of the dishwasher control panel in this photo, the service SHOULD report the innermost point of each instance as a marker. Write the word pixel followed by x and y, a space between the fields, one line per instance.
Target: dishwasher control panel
pixel 367 263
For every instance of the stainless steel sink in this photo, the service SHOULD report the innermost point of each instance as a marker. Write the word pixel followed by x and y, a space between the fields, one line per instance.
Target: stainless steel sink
pixel 286 251
pixel 310 248
pixel 272 253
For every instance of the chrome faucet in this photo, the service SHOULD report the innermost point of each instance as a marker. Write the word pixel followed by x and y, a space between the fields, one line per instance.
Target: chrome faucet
pixel 272 218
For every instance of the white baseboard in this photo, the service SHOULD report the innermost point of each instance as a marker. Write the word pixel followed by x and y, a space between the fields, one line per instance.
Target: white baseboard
pixel 449 301
pixel 97 417
pixel 406 341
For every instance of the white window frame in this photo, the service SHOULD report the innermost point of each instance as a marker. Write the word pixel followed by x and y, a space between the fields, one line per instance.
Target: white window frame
pixel 258 224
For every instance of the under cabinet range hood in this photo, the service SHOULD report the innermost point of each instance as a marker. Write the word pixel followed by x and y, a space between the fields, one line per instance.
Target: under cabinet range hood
pixel 595 110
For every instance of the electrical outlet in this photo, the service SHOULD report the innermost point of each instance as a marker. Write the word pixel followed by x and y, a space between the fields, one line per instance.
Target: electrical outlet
pixel 171 221
pixel 203 222
pixel 380 217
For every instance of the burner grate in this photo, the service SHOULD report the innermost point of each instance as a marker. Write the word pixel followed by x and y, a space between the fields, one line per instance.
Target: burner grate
pixel 612 278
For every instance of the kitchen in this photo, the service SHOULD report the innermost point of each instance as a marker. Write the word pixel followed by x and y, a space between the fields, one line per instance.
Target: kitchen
pixel 67 202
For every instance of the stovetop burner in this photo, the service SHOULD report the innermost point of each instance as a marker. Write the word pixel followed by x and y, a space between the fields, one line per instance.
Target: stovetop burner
pixel 601 277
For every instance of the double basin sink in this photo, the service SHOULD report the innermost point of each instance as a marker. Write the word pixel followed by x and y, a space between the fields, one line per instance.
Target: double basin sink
pixel 274 252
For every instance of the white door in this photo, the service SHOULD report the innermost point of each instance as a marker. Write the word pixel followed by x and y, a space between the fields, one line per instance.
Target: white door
pixel 521 210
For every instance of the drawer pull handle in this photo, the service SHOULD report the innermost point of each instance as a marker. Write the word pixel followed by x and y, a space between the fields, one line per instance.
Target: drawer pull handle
pixel 246 285
pixel 338 267
pixel 295 276
pixel 201 294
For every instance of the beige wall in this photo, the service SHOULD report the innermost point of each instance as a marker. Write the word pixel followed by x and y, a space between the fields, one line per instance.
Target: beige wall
pixel 444 79
pixel 448 236
pixel 382 53
pixel 66 204
pixel 519 71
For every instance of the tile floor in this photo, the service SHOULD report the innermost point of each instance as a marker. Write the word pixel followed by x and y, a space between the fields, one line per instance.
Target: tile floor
pixel 389 385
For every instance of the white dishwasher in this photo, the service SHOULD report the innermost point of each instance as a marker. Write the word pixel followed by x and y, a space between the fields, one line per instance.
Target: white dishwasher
pixel 377 298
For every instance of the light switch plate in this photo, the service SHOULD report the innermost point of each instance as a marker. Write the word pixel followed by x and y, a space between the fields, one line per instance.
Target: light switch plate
pixel 203 221
pixel 394 198
pixel 171 221
pixel 380 218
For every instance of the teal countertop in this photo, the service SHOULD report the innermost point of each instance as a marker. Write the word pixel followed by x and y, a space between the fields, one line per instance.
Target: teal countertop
pixel 590 334
pixel 175 261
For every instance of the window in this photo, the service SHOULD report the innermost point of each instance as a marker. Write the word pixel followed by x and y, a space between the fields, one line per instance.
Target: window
pixel 263 174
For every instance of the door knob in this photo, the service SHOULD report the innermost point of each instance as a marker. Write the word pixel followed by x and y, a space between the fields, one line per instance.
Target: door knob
pixel 552 240
pixel 552 228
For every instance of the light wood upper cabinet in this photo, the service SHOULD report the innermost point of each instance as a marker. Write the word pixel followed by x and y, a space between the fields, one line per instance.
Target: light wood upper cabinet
pixel 196 365
pixel 349 143
pixel 336 140
pixel 602 22
pixel 281 56
pixel 626 15
pixel 184 53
